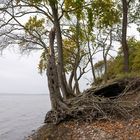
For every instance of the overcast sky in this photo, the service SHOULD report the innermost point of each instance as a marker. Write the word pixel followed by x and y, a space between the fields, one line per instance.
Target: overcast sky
pixel 19 74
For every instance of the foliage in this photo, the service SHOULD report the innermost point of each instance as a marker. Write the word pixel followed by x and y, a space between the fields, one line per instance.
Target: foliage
pixel 99 68
pixel 42 66
pixel 135 55
pixel 34 24
pixel 104 13
pixel 75 7
pixel 69 54
pixel 116 65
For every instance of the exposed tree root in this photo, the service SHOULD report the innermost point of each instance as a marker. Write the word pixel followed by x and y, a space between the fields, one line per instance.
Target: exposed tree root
pixel 105 102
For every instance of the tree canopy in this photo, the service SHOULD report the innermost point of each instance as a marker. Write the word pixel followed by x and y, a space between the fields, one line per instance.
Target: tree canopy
pixel 72 34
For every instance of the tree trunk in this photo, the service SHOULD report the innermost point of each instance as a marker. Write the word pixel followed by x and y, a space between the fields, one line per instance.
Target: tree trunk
pixel 91 63
pixel 124 35
pixel 67 93
pixel 76 85
pixel 71 79
pixel 105 73
pixel 55 95
pixel 77 60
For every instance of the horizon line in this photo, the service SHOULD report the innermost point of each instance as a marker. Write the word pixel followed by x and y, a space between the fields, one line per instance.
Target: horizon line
pixel 4 93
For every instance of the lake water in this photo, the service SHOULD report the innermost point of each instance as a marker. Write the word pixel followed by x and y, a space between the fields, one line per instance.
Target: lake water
pixel 21 114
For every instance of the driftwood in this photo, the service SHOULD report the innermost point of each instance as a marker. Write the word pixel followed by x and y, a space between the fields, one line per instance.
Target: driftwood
pixel 104 102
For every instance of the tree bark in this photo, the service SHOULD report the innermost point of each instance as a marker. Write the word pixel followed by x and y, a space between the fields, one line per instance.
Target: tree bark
pixel 77 60
pixel 91 63
pixel 67 93
pixel 76 85
pixel 105 73
pixel 53 84
pixel 124 35
pixel 71 79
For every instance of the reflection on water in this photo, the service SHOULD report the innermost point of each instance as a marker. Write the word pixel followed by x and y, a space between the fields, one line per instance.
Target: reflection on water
pixel 20 114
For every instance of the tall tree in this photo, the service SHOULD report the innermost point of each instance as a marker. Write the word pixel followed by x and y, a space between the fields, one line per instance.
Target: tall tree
pixel 52 75
pixel 102 16
pixel 61 73
pixel 125 5
pixel 34 33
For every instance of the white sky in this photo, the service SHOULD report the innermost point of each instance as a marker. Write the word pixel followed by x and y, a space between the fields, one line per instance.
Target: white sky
pixel 19 74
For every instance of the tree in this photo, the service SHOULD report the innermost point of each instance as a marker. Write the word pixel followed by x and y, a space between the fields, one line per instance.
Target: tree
pixel 116 65
pixel 130 15
pixel 73 57
pixel 103 17
pixel 52 75
pixel 125 5
pixel 99 68
pixel 34 34
pixel 61 73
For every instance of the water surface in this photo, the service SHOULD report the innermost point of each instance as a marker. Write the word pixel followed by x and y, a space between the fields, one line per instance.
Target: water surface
pixel 20 114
